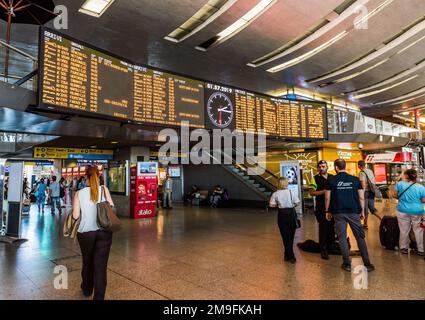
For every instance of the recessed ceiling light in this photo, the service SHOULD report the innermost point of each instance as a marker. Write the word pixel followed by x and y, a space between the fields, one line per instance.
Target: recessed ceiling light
pixel 114 142
pixel 360 96
pixel 395 78
pixel 407 97
pixel 329 22
pixel 204 16
pixel 308 54
pixel 328 43
pixel 95 8
pixel 408 33
pixel 238 25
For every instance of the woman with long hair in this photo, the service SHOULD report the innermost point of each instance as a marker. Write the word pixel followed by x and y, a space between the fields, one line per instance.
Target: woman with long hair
pixel 286 202
pixel 95 244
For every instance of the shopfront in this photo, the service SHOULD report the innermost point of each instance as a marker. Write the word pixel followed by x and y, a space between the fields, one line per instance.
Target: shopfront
pixel 388 167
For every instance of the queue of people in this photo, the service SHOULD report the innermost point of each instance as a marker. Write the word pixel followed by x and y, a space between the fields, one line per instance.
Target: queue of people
pixel 344 200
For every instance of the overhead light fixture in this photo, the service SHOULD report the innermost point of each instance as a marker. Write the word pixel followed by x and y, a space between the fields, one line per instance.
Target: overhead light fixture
pixel 353 75
pixel 238 25
pixel 387 47
pixel 307 55
pixel 93 147
pixel 308 95
pixel 395 78
pixel 412 108
pixel 114 142
pixel 327 44
pixel 372 93
pixel 203 17
pixel 313 34
pixel 407 97
pixel 95 8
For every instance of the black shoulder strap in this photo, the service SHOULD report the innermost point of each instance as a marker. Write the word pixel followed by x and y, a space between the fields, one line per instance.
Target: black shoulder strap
pixel 404 191
pixel 367 177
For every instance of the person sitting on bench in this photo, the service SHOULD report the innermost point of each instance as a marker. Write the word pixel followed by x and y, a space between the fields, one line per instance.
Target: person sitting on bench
pixel 217 196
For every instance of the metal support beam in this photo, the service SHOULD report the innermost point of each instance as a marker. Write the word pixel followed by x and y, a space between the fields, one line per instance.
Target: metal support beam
pixel 29 76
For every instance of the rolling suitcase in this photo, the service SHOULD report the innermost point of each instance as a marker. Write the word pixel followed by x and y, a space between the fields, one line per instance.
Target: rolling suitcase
pixel 389 233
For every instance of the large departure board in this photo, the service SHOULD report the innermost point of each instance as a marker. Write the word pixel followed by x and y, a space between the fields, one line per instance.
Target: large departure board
pixel 77 77
pixel 253 112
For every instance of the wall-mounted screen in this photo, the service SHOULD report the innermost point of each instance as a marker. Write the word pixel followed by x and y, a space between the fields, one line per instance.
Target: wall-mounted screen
pixel 75 77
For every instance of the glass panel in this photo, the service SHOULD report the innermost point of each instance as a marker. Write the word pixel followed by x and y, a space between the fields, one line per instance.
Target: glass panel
pixel 116 178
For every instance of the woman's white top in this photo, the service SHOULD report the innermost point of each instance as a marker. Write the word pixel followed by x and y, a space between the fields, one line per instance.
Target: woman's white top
pixel 88 211
pixel 284 199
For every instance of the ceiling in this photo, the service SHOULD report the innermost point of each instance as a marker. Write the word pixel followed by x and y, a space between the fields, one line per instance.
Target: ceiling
pixel 135 29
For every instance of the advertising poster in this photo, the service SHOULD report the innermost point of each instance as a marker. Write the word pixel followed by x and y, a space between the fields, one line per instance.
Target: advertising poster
pixel 147 168
pixel 291 170
pixel 380 173
pixel 174 172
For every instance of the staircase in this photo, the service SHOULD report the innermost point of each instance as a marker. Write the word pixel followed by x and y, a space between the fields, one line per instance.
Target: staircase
pixel 256 183
pixel 263 185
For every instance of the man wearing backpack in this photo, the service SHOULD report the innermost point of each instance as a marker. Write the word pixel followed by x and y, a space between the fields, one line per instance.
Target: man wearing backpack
pixel 367 179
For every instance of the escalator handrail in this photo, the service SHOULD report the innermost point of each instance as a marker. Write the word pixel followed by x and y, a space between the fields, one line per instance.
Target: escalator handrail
pixel 265 170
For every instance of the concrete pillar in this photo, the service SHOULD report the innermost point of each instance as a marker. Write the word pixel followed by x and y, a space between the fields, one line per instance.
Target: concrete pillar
pixel 418 122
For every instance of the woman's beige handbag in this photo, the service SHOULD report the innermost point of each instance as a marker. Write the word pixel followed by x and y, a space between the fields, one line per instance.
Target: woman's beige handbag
pixel 70 227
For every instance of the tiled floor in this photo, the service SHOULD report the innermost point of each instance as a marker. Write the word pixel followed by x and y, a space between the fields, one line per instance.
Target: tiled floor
pixel 202 253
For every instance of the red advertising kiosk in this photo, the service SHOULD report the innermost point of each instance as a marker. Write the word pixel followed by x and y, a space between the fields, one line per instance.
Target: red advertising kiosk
pixel 143 190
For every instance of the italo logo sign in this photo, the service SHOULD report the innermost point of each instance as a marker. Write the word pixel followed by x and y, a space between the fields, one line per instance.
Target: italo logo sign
pixel 145 212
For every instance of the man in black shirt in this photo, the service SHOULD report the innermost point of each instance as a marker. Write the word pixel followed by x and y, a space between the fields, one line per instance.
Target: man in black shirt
pixel 326 228
pixel 344 200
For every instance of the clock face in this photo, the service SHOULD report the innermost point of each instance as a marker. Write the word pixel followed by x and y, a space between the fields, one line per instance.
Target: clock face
pixel 220 110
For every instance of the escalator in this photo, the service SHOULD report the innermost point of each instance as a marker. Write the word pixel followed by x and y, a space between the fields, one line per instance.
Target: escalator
pixel 257 178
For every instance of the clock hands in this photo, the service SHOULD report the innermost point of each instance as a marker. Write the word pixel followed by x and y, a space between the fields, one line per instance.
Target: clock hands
pixel 224 110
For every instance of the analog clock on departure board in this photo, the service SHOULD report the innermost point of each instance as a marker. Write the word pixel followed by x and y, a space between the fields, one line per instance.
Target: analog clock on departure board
pixel 220 110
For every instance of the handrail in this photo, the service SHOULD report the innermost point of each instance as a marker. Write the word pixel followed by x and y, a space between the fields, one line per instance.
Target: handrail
pixel 261 167
pixel 245 167
pixel 23 53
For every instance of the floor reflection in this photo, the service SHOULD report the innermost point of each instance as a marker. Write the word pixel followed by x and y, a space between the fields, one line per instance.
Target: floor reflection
pixel 202 253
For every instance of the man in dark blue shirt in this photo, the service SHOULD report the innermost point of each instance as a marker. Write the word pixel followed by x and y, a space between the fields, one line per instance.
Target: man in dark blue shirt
pixel 344 200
